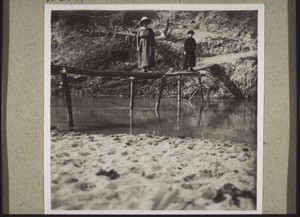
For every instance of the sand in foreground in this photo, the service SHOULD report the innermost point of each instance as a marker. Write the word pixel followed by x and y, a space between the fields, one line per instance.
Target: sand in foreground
pixel 146 172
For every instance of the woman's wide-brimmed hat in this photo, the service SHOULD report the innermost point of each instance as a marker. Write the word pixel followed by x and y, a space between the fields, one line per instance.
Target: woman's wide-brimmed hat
pixel 145 19
pixel 191 32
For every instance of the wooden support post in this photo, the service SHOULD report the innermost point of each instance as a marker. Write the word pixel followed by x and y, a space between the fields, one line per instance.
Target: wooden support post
pixel 162 84
pixel 131 92
pixel 68 96
pixel 194 93
pixel 200 87
pixel 179 89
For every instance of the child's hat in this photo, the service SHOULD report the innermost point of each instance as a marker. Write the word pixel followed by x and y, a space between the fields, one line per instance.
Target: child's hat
pixel 145 19
pixel 191 32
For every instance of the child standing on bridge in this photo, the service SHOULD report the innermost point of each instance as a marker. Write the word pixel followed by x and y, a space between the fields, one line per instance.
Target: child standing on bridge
pixel 146 45
pixel 189 52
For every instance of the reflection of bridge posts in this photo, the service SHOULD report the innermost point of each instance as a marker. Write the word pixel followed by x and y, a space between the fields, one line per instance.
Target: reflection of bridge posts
pixel 179 88
pixel 58 69
pixel 178 115
pixel 162 84
pixel 68 95
pixel 222 116
pixel 158 119
pixel 131 121
pixel 208 95
pixel 200 119
pixel 200 115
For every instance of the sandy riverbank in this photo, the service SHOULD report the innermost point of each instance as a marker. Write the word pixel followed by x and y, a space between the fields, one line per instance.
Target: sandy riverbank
pixel 146 172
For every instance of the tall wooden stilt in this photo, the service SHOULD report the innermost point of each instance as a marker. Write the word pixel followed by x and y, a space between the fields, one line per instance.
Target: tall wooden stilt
pixel 196 91
pixel 162 84
pixel 200 87
pixel 68 96
pixel 131 92
pixel 179 89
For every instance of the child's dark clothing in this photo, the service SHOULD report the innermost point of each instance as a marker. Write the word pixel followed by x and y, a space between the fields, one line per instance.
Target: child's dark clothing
pixel 190 55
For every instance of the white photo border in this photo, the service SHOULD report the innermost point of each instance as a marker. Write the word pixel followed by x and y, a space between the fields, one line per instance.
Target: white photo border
pixel 187 7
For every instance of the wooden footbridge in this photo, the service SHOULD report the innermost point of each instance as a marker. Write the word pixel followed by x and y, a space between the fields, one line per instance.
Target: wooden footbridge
pixel 65 70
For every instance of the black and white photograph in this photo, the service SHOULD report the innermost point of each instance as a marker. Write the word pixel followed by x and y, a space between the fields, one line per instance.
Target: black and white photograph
pixel 153 108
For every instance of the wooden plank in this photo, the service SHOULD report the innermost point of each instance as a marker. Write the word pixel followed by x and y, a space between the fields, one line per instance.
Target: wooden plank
pixel 77 71
pixel 196 72
pixel 55 69
pixel 173 74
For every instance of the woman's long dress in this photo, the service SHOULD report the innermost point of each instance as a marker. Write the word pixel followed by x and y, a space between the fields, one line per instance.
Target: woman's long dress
pixel 190 55
pixel 146 43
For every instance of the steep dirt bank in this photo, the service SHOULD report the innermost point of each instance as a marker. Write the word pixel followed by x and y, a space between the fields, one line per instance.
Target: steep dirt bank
pixel 101 41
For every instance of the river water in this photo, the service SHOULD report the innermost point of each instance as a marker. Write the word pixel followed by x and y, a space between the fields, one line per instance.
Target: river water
pixel 234 120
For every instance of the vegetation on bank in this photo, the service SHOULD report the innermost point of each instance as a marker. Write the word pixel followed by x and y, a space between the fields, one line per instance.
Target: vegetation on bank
pixel 106 40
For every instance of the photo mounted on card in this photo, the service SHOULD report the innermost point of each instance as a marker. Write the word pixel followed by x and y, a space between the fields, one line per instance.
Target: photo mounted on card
pixel 154 108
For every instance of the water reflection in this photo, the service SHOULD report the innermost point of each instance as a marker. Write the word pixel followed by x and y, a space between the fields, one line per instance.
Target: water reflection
pixel 131 120
pixel 220 119
pixel 178 114
pixel 158 121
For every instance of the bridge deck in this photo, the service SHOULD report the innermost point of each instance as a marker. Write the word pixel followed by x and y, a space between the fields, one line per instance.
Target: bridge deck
pixel 56 69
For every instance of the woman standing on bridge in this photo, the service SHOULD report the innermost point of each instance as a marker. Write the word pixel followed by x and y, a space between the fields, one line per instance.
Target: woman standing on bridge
pixel 189 51
pixel 146 45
